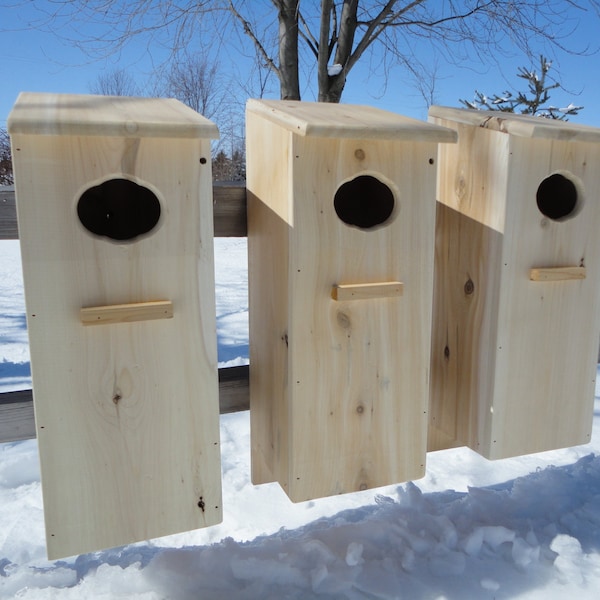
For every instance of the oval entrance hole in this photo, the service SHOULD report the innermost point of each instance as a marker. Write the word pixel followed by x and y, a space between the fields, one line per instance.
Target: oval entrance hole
pixel 364 202
pixel 557 197
pixel 118 209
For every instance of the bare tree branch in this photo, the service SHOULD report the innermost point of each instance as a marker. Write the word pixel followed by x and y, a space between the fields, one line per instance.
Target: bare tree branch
pixel 117 82
pixel 374 29
pixel 306 34
pixel 479 30
pixel 250 33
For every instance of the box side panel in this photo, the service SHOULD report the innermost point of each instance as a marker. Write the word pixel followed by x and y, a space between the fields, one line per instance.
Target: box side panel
pixel 359 369
pixel 127 414
pixel 473 173
pixel 548 331
pixel 469 238
pixel 268 184
pixel 466 291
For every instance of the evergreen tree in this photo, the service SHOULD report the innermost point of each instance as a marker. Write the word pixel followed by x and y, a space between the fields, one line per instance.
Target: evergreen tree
pixel 534 101
pixel 6 173
pixel 229 168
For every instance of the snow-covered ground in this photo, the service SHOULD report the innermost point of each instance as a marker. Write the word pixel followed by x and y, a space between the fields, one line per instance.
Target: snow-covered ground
pixel 526 528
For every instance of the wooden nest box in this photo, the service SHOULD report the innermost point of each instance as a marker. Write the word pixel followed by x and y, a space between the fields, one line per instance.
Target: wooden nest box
pixel 341 219
pixel 517 284
pixel 114 201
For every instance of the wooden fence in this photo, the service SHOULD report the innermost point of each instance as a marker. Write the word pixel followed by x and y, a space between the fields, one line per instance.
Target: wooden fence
pixel 229 205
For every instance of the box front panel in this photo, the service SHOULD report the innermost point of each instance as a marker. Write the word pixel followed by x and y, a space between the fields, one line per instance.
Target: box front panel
pixel 359 366
pixel 126 412
pixel 548 327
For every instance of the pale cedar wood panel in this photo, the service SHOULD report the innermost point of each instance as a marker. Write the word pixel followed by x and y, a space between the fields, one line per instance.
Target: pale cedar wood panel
pixel 339 389
pixel 516 302
pixel 127 414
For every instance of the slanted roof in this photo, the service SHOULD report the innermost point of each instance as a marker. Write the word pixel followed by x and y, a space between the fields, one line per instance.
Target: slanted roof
pixel 320 119
pixel 518 125
pixel 83 115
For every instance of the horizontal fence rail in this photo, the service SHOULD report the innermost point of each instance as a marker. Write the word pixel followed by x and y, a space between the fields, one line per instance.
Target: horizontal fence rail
pixel 229 214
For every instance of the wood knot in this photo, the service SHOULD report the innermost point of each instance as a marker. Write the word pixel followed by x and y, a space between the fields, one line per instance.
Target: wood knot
pixel 359 154
pixel 469 287
pixel 460 187
pixel 343 320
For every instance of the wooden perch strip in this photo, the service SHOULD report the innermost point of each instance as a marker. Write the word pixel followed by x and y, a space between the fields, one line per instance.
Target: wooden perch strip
pixel 557 274
pixel 366 291
pixel 127 313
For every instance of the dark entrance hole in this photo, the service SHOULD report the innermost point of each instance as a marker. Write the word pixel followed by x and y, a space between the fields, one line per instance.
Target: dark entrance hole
pixel 118 209
pixel 364 202
pixel 557 197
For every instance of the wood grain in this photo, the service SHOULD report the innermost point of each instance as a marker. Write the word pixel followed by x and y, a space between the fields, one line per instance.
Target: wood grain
pixel 118 415
pixel 366 291
pixel 17 418
pixel 524 126
pixel 337 403
pixel 513 360
pixel 88 115
pixel 127 313
pixel 557 273
pixel 321 119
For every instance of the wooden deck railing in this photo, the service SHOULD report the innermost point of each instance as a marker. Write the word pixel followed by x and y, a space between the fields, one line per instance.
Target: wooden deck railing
pixel 16 408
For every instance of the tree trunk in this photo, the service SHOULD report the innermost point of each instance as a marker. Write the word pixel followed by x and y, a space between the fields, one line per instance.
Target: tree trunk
pixel 332 90
pixel 288 50
pixel 332 86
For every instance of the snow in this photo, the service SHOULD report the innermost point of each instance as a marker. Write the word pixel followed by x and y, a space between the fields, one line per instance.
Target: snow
pixel 335 69
pixel 526 528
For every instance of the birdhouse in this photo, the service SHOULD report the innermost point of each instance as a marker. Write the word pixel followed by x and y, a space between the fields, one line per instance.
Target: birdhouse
pixel 341 218
pixel 114 201
pixel 517 284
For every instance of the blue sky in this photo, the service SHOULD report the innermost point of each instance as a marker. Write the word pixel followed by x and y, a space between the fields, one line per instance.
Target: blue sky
pixel 40 61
